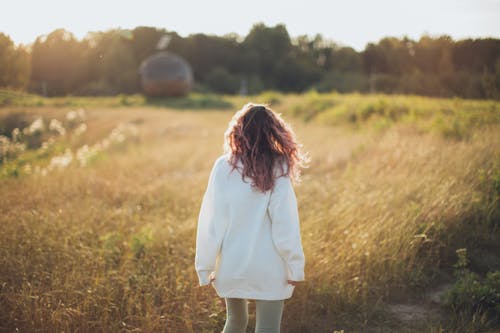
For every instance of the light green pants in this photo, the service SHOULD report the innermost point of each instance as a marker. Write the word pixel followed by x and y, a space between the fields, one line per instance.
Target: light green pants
pixel 267 315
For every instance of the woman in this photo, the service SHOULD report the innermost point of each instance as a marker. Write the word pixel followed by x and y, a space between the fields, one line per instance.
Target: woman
pixel 248 243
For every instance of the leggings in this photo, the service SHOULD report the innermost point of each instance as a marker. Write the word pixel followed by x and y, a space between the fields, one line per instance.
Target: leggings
pixel 268 315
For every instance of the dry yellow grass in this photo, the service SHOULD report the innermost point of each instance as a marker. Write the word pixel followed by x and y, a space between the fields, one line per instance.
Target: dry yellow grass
pixel 110 247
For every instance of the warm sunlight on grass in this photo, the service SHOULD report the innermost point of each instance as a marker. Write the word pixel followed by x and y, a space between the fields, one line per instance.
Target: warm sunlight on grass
pixel 99 210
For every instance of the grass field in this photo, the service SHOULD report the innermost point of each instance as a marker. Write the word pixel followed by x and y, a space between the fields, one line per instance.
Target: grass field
pixel 100 197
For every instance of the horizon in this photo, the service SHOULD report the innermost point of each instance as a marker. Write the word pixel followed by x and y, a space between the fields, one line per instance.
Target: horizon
pixel 346 25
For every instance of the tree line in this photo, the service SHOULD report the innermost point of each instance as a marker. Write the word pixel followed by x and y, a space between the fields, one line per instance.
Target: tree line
pixel 267 58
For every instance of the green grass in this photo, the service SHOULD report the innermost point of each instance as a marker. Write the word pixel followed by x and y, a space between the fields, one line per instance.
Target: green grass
pixel 192 101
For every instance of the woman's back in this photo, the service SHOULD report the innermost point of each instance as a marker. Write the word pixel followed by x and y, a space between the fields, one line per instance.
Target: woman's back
pixel 257 233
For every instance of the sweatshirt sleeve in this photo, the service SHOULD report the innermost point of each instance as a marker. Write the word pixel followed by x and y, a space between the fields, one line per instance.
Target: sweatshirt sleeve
pixel 285 227
pixel 211 227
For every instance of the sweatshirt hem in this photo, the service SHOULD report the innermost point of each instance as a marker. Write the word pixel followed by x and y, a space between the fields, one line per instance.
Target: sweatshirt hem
pixel 253 295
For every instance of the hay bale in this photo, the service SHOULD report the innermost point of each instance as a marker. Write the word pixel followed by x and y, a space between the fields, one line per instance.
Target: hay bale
pixel 166 74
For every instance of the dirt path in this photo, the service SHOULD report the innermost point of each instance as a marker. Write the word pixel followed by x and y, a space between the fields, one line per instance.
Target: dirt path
pixel 430 309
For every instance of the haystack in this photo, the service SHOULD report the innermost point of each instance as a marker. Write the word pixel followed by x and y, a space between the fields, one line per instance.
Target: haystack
pixel 166 74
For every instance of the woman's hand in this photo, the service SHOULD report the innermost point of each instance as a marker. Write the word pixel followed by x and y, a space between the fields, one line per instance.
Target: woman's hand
pixel 293 283
pixel 212 277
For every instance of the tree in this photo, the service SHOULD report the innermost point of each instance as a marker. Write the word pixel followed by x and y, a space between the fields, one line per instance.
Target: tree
pixel 265 48
pixel 55 60
pixel 107 63
pixel 390 56
pixel 221 81
pixel 145 40
pixel 111 64
pixel 14 64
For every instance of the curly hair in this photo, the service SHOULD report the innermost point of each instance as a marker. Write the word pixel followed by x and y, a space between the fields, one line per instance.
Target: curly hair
pixel 259 138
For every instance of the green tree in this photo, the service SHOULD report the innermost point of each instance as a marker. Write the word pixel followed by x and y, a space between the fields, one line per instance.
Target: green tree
pixel 204 52
pixel 110 63
pixel 265 47
pixel 221 81
pixel 14 64
pixel 55 61
pixel 145 40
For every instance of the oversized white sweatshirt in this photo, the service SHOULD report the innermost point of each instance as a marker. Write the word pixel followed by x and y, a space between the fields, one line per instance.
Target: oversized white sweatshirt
pixel 249 239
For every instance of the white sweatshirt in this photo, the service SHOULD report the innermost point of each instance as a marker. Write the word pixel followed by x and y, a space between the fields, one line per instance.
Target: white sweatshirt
pixel 249 239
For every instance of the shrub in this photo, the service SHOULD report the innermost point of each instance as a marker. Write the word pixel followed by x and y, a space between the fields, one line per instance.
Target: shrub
pixel 14 120
pixel 270 97
pixel 312 104
pixel 472 297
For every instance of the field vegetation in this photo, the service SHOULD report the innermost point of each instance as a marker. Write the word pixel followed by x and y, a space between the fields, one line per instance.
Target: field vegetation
pixel 100 197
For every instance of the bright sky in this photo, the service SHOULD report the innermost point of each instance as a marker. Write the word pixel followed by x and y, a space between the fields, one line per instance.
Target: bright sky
pixel 348 22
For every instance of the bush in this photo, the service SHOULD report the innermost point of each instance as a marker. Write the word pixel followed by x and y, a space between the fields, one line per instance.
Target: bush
pixel 270 97
pixel 472 297
pixel 14 120
pixel 343 82
pixel 311 105
pixel 451 128
pixel 339 114
pixel 97 88
pixel 191 101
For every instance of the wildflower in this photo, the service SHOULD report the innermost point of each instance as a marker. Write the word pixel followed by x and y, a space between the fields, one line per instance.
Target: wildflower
pixel 56 126
pixel 82 128
pixel 61 161
pixel 75 116
pixel 85 153
pixel 123 132
pixel 36 127
pixel 4 145
pixel 71 116
pixel 116 136
pixel 9 148
pixel 16 134
pixel 81 154
pixel 46 144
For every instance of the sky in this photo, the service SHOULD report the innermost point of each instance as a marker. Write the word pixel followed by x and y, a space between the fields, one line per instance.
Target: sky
pixel 349 22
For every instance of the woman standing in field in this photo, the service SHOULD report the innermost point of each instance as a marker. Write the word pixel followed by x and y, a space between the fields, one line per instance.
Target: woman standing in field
pixel 248 243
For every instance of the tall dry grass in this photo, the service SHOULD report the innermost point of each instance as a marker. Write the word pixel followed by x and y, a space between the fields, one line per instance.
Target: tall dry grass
pixel 110 246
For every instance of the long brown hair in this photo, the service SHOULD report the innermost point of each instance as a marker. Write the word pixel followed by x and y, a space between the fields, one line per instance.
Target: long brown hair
pixel 261 139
